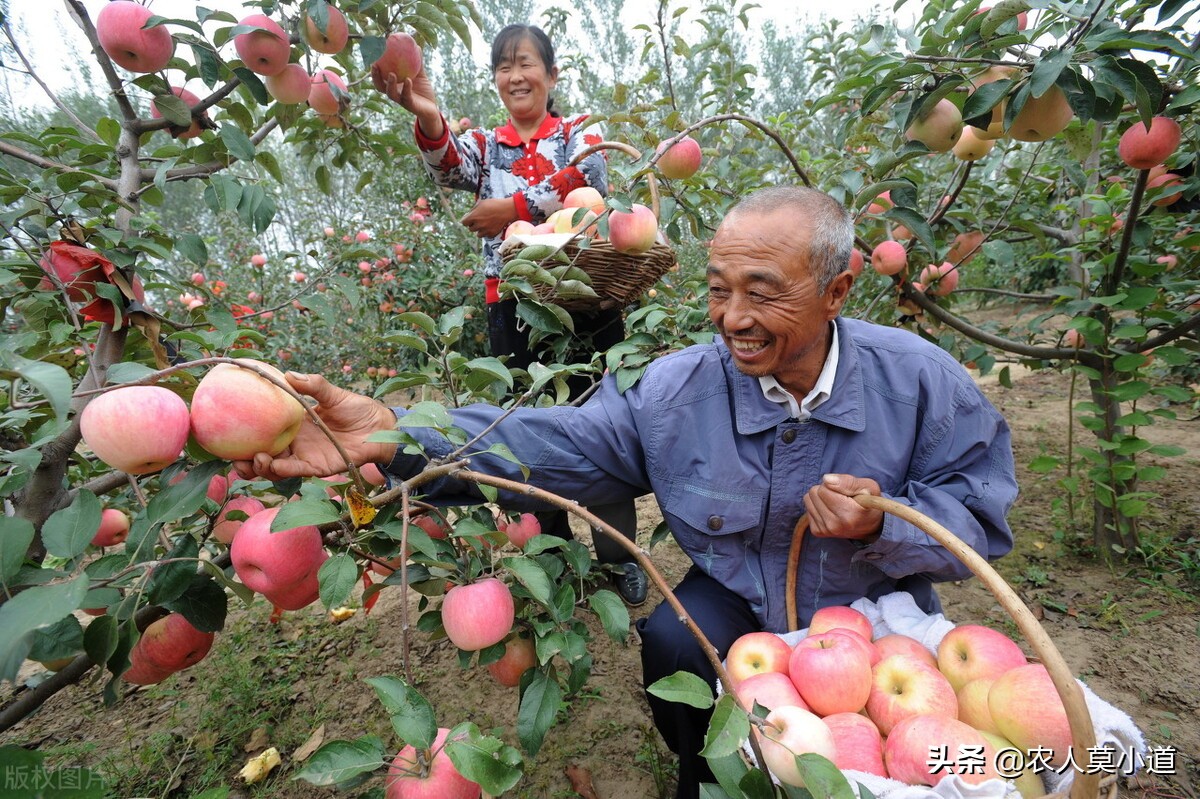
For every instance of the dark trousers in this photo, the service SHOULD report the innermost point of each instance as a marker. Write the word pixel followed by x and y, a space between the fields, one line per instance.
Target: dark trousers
pixel 595 331
pixel 668 647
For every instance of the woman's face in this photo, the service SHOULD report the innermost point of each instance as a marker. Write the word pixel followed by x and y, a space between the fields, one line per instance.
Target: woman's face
pixel 524 83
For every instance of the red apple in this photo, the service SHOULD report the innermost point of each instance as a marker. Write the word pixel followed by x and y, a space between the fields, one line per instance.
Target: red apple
pixel 237 413
pixel 334 37
pixel 971 651
pixel 478 614
pixel 889 257
pixel 938 128
pixel 941 279
pixel 771 689
pixel 973 705
pixel 520 531
pixel 792 731
pixel 681 159
pixel 965 247
pixel 401 57
pixel 321 97
pixel 634 232
pixel 1042 117
pixel 78 268
pixel 542 229
pixel 519 228
pixel 224 528
pixel 856 262
pixel 161 417
pixel 946 743
pixel 858 743
pixel 904 686
pixel 1029 712
pixel 120 29
pixel 880 204
pixel 281 566
pixel 834 617
pixel 190 132
pixel 971 146
pixel 831 672
pixel 432 776
pixel 114 528
pixel 585 197
pixel 1142 147
pixel 519 656
pixel 168 645
pixel 290 85
pixel 1168 180
pixel 755 653
pixel 265 51
pixel 897 644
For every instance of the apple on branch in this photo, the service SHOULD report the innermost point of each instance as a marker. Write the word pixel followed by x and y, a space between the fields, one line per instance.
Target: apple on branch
pixel 681 160
pixel 281 566
pixel 479 614
pixel 265 51
pixel 634 232
pixel 120 28
pixel 428 775
pixel 236 412
pixel 163 419
pixel 332 40
pixel 114 528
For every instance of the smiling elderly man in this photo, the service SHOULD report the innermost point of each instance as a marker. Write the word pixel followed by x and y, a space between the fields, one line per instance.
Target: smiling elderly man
pixel 792 409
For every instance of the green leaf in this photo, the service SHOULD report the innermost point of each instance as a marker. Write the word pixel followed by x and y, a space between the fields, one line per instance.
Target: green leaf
pixel 412 716
pixel 304 511
pixel 69 531
pixel 539 706
pixel 101 638
pixel 612 613
pixel 730 771
pixel 203 603
pixel 339 761
pixel 532 576
pixel 192 247
pixel 30 610
pixel 174 110
pixel 51 380
pixel 337 577
pixel 169 580
pixel 62 639
pixel 1043 464
pixel 253 84
pixel 371 48
pixel 16 534
pixel 484 759
pixel 185 497
pixel 1046 71
pixel 237 142
pixel 684 687
pixel 727 730
pixel 916 223
pixel 493 367
pixel 822 778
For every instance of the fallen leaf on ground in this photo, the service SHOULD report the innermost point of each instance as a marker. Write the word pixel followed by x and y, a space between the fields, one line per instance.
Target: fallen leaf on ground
pixel 311 745
pixel 581 781
pixel 258 740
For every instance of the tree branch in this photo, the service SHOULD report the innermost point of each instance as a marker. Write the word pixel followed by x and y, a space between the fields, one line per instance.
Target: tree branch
pixel 79 14
pixel 46 163
pixel 204 170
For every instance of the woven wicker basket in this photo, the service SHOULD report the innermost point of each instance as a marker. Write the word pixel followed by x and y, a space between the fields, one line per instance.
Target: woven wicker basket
pixel 1084 786
pixel 617 278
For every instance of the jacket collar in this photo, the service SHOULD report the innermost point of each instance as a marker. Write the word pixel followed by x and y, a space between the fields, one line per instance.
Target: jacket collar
pixel 754 413
pixel 507 133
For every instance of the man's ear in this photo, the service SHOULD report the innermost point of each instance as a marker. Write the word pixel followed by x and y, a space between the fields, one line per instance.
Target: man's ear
pixel 837 292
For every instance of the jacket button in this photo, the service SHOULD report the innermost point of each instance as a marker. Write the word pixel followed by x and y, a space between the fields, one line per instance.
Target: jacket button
pixel 715 522
pixel 789 436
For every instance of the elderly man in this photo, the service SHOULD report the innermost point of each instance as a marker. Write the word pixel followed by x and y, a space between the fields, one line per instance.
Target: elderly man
pixel 791 409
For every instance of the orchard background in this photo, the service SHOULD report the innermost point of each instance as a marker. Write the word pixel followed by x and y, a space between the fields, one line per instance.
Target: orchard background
pixel 319 244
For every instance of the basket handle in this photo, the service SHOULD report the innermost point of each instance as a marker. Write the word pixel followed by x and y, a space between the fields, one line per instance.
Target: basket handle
pixel 633 153
pixel 1083 736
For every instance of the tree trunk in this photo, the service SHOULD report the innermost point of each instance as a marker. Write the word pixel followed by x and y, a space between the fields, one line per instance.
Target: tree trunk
pixel 1112 531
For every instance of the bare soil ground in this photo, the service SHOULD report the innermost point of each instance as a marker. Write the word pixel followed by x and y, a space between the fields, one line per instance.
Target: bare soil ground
pixel 1131 633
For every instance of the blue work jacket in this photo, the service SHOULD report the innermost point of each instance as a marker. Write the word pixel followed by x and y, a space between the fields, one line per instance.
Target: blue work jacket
pixel 729 468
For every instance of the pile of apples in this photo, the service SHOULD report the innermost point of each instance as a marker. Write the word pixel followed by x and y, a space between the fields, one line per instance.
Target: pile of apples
pixel 633 233
pixel 884 706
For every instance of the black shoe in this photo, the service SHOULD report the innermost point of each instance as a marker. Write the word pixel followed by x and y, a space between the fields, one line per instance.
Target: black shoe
pixel 630 582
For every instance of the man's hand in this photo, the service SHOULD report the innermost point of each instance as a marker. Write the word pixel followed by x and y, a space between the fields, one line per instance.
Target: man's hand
pixel 350 417
pixel 490 217
pixel 833 513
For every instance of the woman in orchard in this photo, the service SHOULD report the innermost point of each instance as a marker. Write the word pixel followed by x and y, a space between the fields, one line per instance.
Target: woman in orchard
pixel 521 171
